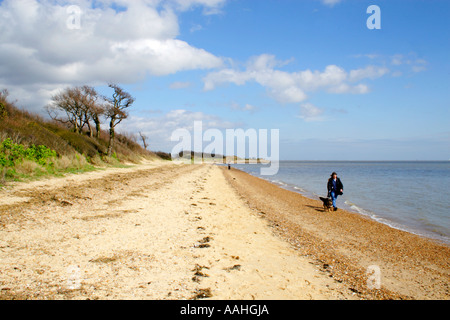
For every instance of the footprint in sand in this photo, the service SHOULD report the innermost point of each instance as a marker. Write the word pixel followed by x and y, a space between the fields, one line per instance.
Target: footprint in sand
pixel 199 273
pixel 204 243
pixel 236 267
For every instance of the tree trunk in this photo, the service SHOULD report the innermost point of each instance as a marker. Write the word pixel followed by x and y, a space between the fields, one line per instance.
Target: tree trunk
pixel 91 132
pixel 111 138
pixel 97 127
pixel 144 140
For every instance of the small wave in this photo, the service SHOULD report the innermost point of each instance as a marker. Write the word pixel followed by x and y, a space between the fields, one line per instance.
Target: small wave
pixel 434 235
pixel 354 207
pixel 281 183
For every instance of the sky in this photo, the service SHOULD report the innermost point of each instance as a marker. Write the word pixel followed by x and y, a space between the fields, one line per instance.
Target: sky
pixel 334 88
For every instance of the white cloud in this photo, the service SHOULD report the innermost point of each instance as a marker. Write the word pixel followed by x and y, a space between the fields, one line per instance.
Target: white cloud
pixel 209 6
pixel 419 65
pixel 38 50
pixel 367 55
pixel 292 87
pixel 400 63
pixel 411 60
pixel 195 28
pixel 369 72
pixel 310 112
pixel 247 107
pixel 331 3
pixel 397 60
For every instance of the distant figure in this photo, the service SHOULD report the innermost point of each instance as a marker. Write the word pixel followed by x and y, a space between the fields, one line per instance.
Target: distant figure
pixel 229 167
pixel 335 188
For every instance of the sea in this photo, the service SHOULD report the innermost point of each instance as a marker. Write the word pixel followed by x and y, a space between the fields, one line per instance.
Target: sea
pixel 412 196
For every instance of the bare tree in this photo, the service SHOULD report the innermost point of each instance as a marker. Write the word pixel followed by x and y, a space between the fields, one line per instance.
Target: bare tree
pixel 3 96
pixel 70 102
pixel 80 105
pixel 144 139
pixel 96 113
pixel 116 111
pixel 93 109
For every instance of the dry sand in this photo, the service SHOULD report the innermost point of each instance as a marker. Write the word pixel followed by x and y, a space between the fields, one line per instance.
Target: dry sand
pixel 166 231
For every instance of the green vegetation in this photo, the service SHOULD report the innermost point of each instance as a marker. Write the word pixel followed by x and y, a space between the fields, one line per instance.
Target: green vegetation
pixel 18 162
pixel 12 153
pixel 32 147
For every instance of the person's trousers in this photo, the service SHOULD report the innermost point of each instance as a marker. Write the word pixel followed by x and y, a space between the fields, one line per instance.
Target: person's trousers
pixel 334 197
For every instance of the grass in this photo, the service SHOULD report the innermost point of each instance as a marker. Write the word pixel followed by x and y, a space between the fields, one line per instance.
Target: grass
pixel 31 171
pixel 32 148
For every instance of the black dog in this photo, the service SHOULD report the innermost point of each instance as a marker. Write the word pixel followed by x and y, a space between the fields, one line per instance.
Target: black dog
pixel 327 204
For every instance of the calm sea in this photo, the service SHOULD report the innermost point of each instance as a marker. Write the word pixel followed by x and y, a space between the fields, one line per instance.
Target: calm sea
pixel 411 196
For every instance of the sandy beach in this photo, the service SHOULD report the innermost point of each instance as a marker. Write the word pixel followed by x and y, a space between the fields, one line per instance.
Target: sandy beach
pixel 165 231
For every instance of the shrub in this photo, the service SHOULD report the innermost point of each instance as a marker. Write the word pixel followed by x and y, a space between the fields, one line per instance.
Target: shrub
pixel 3 112
pixel 12 153
pixel 164 155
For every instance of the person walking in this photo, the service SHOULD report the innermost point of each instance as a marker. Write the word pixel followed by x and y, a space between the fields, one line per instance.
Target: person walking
pixel 335 188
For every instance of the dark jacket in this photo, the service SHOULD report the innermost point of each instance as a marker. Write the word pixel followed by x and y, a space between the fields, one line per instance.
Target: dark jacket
pixel 339 186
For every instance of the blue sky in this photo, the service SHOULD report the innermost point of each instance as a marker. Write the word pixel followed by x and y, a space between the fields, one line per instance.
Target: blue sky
pixel 312 68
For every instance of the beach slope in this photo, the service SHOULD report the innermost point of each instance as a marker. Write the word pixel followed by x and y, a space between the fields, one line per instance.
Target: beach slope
pixel 352 248
pixel 166 231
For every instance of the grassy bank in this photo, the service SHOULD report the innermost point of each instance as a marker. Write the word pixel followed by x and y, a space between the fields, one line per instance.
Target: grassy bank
pixel 32 147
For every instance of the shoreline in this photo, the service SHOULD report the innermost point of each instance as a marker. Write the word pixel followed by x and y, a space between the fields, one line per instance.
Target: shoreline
pixel 153 232
pixel 348 243
pixel 176 232
pixel 437 237
pixel 368 214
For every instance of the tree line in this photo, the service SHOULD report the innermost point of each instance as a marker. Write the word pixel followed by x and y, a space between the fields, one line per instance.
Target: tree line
pixel 83 107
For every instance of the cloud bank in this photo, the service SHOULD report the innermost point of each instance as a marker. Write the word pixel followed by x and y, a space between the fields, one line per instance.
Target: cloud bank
pixel 42 48
pixel 293 87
